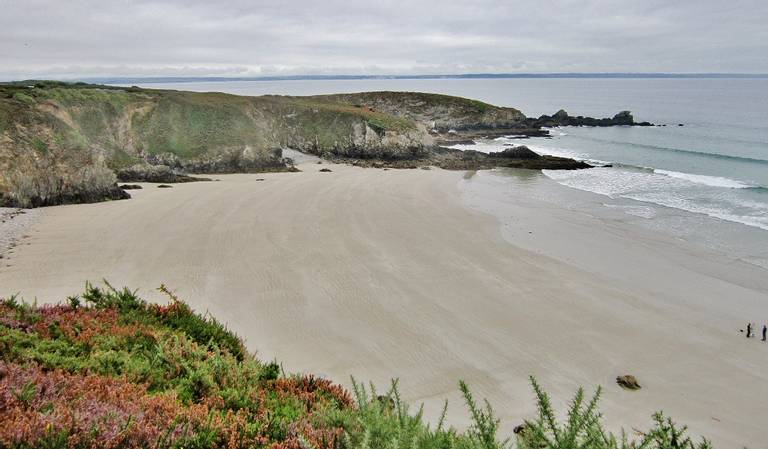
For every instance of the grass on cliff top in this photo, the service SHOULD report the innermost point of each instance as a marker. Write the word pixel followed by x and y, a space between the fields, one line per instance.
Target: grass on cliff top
pixel 415 100
pixel 110 370
pixel 378 120
pixel 191 124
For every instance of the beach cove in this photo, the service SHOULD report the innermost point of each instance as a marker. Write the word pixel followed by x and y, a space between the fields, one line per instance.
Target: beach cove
pixel 404 273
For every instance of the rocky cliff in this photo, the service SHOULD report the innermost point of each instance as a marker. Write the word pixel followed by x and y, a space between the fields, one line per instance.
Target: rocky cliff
pixel 64 142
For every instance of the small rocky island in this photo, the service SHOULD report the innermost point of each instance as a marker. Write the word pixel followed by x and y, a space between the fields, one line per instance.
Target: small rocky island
pixel 72 142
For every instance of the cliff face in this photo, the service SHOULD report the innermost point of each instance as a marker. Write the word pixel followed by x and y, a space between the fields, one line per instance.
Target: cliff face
pixel 62 142
pixel 325 127
pixel 59 140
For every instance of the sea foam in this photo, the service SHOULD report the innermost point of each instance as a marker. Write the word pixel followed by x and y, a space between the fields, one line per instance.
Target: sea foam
pixel 713 181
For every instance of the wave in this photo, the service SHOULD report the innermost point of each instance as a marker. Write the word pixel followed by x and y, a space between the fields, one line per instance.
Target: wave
pixel 708 180
pixel 718 156
pixel 557 131
pixel 713 181
pixel 689 206
pixel 668 191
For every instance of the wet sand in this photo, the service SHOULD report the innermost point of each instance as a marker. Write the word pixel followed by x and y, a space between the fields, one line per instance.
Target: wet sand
pixel 385 274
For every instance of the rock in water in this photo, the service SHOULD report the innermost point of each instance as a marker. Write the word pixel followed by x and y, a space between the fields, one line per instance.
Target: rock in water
pixel 628 381
pixel 623 118
pixel 561 116
pixel 325 170
pixel 164 186
pixel 518 152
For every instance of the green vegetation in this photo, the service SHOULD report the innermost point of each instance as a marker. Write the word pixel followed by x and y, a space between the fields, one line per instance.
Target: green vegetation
pixel 110 370
pixel 40 146
pixel 440 112
pixel 52 132
pixel 24 98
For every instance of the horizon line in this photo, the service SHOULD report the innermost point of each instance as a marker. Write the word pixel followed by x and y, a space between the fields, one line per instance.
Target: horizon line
pixel 182 79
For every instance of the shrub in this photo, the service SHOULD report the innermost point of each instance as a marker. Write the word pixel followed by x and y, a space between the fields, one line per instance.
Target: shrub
pixel 24 98
pixel 203 329
pixel 583 429
pixel 386 422
pixel 109 370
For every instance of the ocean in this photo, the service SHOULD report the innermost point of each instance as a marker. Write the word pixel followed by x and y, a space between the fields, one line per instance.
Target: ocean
pixel 705 181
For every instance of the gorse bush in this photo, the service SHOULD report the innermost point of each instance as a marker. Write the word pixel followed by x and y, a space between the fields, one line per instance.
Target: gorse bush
pixel 109 370
pixel 583 429
pixel 485 426
pixel 385 422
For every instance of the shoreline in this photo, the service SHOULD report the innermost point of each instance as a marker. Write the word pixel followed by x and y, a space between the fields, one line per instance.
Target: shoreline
pixel 14 225
pixel 303 265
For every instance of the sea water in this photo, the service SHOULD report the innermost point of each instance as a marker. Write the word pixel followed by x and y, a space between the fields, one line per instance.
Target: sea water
pixel 705 181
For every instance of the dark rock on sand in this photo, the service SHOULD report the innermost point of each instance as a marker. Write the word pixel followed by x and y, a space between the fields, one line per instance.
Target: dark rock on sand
pixel 325 170
pixel 164 186
pixel 628 381
pixel 72 196
pixel 154 173
pixel 131 187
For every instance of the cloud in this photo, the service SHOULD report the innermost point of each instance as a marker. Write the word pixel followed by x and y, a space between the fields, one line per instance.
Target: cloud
pixel 79 38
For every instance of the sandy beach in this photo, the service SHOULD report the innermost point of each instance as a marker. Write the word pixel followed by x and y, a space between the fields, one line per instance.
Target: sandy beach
pixel 407 273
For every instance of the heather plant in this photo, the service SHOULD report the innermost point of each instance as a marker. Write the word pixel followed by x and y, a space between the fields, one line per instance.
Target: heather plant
pixel 108 370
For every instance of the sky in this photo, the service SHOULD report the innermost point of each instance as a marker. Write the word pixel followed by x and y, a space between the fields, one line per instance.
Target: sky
pixel 132 38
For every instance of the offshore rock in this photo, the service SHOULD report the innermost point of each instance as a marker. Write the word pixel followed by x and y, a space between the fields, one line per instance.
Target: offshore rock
pixel 561 118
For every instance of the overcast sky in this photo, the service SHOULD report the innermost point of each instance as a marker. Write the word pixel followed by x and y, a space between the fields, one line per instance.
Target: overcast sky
pixel 82 38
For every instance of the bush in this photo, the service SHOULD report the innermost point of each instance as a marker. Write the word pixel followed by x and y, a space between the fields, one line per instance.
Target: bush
pixel 204 330
pixel 583 429
pixel 110 370
pixel 24 98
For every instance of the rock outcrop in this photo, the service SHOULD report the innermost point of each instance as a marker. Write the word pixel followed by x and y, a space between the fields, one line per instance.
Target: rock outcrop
pixel 628 382
pixel 62 142
pixel 518 152
pixel 561 118
pixel 510 158
pixel 154 173
pixel 453 159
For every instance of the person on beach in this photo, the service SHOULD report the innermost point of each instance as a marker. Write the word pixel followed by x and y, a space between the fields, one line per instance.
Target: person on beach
pixel 749 330
pixel 765 330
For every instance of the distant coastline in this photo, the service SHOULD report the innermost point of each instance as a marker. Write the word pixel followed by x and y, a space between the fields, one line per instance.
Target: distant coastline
pixel 191 79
